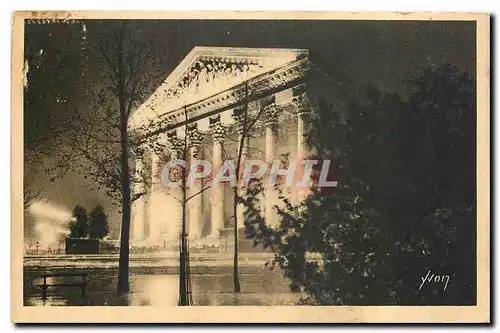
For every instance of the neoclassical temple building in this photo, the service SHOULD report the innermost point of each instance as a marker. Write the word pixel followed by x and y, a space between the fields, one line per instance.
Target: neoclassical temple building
pixel 199 108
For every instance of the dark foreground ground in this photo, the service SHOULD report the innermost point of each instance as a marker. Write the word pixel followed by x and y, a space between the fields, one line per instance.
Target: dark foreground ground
pixel 154 281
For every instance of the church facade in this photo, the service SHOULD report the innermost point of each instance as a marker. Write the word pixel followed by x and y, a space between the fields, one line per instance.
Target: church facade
pixel 196 113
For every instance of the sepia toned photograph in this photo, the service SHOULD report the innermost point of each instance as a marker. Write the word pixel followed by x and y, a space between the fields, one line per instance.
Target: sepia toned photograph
pixel 248 163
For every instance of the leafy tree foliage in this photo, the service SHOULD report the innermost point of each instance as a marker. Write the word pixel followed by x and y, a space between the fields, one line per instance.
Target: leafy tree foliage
pixel 404 206
pixel 98 223
pixel 79 227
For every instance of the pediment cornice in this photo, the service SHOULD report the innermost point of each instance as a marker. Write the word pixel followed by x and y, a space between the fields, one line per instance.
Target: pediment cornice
pixel 262 57
pixel 207 71
pixel 255 88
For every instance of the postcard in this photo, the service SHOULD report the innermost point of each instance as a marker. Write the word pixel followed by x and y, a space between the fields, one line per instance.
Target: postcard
pixel 250 167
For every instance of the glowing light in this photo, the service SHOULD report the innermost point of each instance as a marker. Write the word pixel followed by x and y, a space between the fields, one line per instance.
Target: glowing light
pixel 51 223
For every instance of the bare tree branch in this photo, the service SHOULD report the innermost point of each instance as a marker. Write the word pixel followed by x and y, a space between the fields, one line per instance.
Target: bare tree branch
pixel 199 192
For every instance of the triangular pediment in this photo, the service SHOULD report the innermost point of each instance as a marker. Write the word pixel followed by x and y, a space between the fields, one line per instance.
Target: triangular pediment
pixel 206 71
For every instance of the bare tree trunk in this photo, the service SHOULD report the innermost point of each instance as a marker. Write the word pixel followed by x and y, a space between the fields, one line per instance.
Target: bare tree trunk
pixel 185 298
pixel 184 278
pixel 240 147
pixel 123 264
pixel 236 275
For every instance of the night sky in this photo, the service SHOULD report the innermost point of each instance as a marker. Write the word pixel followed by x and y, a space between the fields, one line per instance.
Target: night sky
pixel 385 53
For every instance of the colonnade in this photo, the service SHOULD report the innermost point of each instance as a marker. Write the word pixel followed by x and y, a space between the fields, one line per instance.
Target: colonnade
pixel 146 214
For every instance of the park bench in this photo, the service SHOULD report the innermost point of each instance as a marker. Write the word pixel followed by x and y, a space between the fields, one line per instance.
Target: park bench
pixel 81 284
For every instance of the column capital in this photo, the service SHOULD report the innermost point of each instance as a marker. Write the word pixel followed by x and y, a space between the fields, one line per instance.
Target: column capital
pixel 194 135
pixel 176 143
pixel 239 116
pixel 217 128
pixel 138 152
pixel 271 113
pixel 159 146
pixel 302 103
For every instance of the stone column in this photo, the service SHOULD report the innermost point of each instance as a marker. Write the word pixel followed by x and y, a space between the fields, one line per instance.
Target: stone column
pixel 243 144
pixel 302 112
pixel 244 157
pixel 302 105
pixel 217 192
pixel 155 182
pixel 138 220
pixel 175 197
pixel 271 123
pixel 195 203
